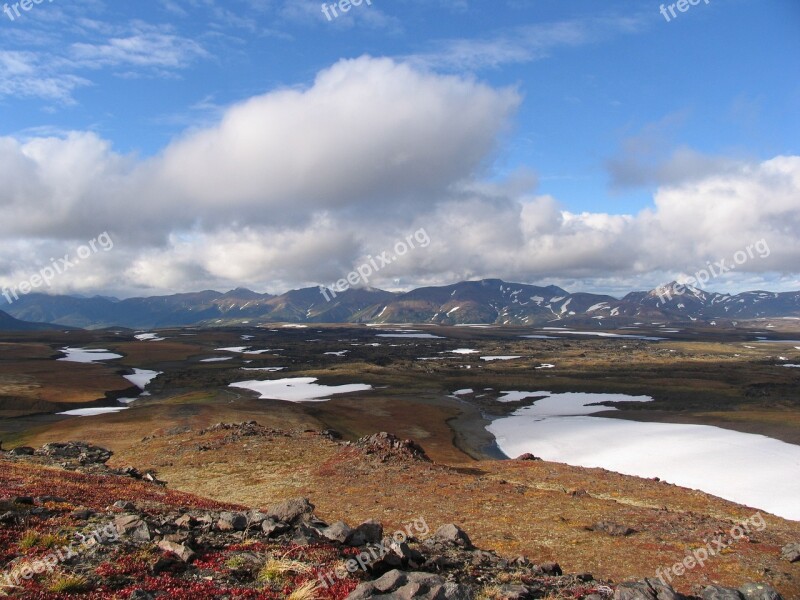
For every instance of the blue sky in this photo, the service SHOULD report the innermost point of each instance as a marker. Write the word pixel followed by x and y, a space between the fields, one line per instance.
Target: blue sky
pixel 593 111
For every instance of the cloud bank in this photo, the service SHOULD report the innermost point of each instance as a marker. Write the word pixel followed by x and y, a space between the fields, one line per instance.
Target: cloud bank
pixel 297 186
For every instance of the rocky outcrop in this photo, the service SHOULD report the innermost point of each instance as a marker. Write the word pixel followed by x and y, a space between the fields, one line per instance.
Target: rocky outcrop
pixel 388 447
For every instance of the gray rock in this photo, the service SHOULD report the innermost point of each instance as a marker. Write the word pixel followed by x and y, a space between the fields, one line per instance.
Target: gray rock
pixel 22 451
pixel 514 592
pixel 141 595
pixel 717 592
pixel 662 590
pixel 338 532
pixel 791 552
pixel 649 589
pixel 230 521
pixel 182 551
pixel 634 590
pixel 612 529
pixel 133 527
pixel 369 532
pixel 185 522
pixel 759 591
pixel 291 511
pixel 271 528
pixel 124 505
pixel 453 534
pixel 397 585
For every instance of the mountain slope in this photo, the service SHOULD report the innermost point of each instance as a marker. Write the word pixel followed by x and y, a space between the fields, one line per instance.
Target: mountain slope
pixel 9 323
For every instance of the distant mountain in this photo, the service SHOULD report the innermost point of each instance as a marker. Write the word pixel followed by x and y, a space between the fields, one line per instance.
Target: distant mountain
pixel 9 323
pixel 487 301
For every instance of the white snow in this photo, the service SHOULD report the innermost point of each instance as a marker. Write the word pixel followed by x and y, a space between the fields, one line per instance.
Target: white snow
pixel 615 335
pixel 546 366
pixel 268 369
pixel 141 377
pixel 294 326
pixel 87 355
pixel 149 337
pixel 541 337
pixel 463 392
pixel 745 468
pixel 490 358
pixel 211 360
pixel 233 349
pixel 423 336
pixel 792 366
pixel 90 412
pixel 452 310
pixel 298 389
pixel 340 353
pixel 463 351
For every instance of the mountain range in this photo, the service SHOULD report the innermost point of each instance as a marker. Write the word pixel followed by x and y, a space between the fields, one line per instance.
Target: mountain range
pixel 489 301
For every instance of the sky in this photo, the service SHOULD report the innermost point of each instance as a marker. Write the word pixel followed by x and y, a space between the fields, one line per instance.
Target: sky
pixel 600 146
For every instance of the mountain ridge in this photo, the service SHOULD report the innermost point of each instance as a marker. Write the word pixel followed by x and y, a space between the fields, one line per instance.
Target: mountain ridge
pixel 487 301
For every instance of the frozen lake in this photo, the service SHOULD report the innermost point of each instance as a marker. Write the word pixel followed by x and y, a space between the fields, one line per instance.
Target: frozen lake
pixel 745 468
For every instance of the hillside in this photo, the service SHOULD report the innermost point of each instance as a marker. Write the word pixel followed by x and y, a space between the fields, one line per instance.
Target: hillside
pixel 9 323
pixel 615 527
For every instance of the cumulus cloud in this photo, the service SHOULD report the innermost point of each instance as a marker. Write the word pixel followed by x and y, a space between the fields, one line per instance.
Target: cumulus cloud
pixel 298 186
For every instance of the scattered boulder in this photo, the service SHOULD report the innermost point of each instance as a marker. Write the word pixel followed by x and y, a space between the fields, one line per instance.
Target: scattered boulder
pixel 528 456
pixel 791 552
pixel 612 529
pixel 338 532
pixel 369 532
pixel 551 568
pixel 649 589
pixel 452 534
pixel 291 511
pixel 134 527
pixel 124 505
pixel 230 521
pixel 408 586
pixel 83 452
pixel 182 551
pixel 22 451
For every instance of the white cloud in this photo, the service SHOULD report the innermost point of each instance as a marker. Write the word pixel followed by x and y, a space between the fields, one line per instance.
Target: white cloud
pixel 298 186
